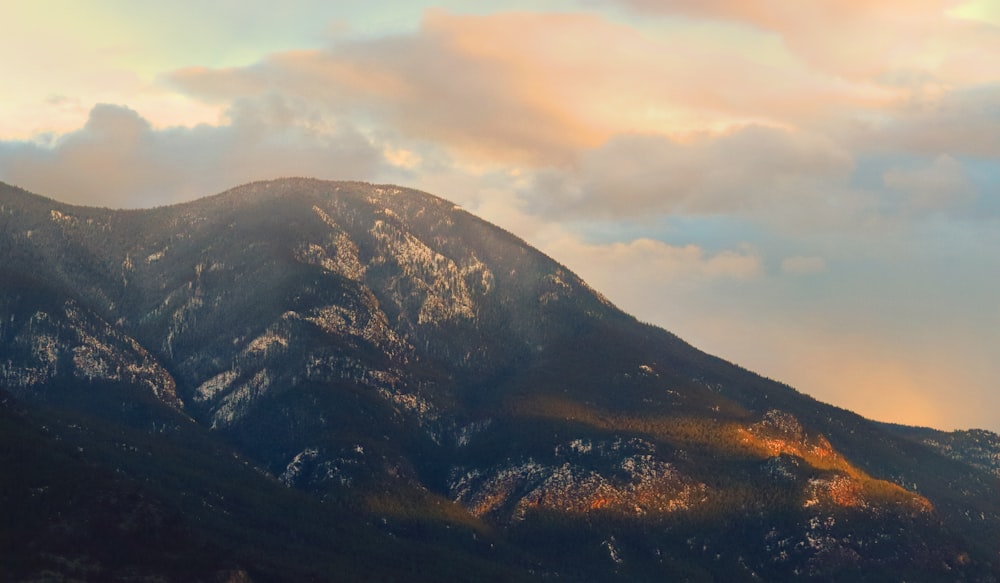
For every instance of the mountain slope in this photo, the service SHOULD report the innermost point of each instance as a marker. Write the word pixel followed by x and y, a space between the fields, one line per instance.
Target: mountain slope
pixel 379 351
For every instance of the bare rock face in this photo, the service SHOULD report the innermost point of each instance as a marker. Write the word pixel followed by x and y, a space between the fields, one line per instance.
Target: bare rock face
pixel 376 358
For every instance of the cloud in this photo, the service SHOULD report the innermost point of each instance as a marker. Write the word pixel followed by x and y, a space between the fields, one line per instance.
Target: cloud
pixel 459 81
pixel 536 89
pixel 964 121
pixel 651 264
pixel 741 171
pixel 117 159
pixel 891 42
pixel 647 124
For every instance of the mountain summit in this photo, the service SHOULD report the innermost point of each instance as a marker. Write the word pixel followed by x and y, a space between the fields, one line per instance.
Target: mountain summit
pixel 306 380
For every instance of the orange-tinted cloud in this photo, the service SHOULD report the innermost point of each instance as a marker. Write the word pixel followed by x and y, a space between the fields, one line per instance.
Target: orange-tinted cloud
pixel 550 90
pixel 914 42
pixel 444 84
pixel 537 88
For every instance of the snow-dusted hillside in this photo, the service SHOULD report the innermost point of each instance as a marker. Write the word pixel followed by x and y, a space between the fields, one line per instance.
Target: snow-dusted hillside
pixel 381 352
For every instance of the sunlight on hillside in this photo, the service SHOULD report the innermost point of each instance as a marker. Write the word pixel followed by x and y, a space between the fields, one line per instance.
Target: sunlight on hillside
pixel 849 485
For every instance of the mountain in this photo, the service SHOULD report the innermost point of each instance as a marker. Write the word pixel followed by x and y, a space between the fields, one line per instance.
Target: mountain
pixel 303 380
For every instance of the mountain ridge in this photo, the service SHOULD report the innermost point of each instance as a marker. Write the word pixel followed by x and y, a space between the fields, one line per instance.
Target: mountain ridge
pixel 385 352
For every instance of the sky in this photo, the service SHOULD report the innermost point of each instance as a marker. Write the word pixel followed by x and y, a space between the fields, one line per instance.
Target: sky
pixel 810 189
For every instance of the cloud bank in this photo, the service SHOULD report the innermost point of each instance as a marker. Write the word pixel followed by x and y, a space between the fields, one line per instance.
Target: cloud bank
pixel 119 160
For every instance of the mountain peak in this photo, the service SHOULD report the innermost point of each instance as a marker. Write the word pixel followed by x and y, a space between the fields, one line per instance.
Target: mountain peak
pixel 391 362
